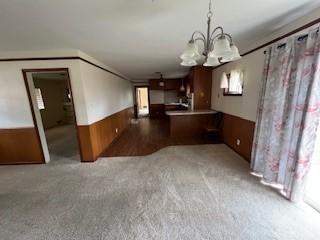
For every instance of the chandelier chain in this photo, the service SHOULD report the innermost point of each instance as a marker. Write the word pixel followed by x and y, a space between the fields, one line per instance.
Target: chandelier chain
pixel 210 13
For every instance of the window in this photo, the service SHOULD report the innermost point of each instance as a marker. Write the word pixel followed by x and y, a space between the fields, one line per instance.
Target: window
pixel 39 99
pixel 232 83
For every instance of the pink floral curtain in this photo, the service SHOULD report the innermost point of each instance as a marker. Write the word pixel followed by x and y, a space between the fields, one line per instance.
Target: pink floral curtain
pixel 288 114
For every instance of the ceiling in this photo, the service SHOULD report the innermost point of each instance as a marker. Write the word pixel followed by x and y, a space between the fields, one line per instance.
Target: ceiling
pixel 138 37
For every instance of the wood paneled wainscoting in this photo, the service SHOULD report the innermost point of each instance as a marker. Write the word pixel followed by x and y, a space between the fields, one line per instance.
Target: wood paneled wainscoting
pixel 20 146
pixel 236 128
pixel 95 138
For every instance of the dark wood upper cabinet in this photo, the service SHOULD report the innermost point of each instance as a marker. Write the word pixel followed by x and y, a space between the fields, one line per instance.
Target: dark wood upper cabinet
pixel 172 84
pixel 190 80
pixel 169 84
pixel 154 84
pixel 200 80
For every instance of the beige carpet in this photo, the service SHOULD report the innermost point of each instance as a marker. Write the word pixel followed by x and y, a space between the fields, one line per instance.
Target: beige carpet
pixel 63 143
pixel 182 192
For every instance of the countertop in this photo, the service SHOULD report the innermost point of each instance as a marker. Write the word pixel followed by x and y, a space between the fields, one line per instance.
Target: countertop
pixel 177 104
pixel 190 112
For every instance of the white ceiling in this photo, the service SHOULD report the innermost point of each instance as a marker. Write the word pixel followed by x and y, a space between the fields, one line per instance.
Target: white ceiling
pixel 136 37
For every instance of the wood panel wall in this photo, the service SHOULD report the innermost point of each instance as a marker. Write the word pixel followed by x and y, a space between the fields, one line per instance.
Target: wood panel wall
pixel 95 138
pixel 20 146
pixel 234 128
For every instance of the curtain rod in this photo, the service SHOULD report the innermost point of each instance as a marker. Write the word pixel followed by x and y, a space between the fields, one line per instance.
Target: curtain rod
pixel 302 37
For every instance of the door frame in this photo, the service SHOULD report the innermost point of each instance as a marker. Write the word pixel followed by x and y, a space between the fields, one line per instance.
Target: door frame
pixel 135 97
pixel 40 70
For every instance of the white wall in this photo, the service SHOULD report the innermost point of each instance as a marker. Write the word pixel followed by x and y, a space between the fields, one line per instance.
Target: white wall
pixel 96 93
pixel 15 111
pixel 252 65
pixel 105 93
pixel 244 106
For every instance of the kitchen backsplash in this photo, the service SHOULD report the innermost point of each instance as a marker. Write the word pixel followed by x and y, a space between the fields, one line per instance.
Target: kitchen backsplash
pixel 171 97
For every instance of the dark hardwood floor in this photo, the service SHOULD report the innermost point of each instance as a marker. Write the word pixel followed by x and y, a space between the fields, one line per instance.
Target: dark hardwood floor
pixel 149 136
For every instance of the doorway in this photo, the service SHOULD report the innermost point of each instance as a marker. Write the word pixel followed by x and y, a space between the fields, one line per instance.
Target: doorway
pixel 54 116
pixel 142 100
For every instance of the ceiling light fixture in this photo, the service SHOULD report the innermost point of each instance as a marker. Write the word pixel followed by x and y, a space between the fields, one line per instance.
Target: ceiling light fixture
pixel 218 46
pixel 182 88
pixel 161 80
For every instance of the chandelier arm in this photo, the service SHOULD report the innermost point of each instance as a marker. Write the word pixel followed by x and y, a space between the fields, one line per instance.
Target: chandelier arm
pixel 201 39
pixel 218 35
pixel 214 38
pixel 229 36
pixel 197 32
pixel 216 29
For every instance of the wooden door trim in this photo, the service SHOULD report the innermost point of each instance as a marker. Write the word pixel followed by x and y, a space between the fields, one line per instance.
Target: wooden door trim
pixel 36 70
pixel 135 95
pixel 24 73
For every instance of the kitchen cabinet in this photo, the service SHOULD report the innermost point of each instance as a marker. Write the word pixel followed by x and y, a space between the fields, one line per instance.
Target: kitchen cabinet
pixel 157 111
pixel 172 84
pixel 171 107
pixel 168 84
pixel 189 123
pixel 155 84
pixel 189 81
pixel 175 107
pixel 200 81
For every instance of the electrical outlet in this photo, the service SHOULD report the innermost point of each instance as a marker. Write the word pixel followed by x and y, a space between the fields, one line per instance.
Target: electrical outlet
pixel 238 142
pixel 116 130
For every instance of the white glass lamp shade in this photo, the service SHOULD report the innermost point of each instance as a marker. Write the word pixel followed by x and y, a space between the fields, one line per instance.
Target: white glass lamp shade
pixel 212 55
pixel 235 55
pixel 224 81
pixel 226 59
pixel 222 48
pixel 235 52
pixel 191 52
pixel 189 63
pixel 212 62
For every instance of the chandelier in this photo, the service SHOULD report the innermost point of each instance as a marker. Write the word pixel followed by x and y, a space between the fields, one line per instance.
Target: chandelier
pixel 218 46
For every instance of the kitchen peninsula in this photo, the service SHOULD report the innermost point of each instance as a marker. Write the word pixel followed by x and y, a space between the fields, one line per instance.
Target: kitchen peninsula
pixel 175 94
pixel 186 102
pixel 192 122
pixel 189 123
